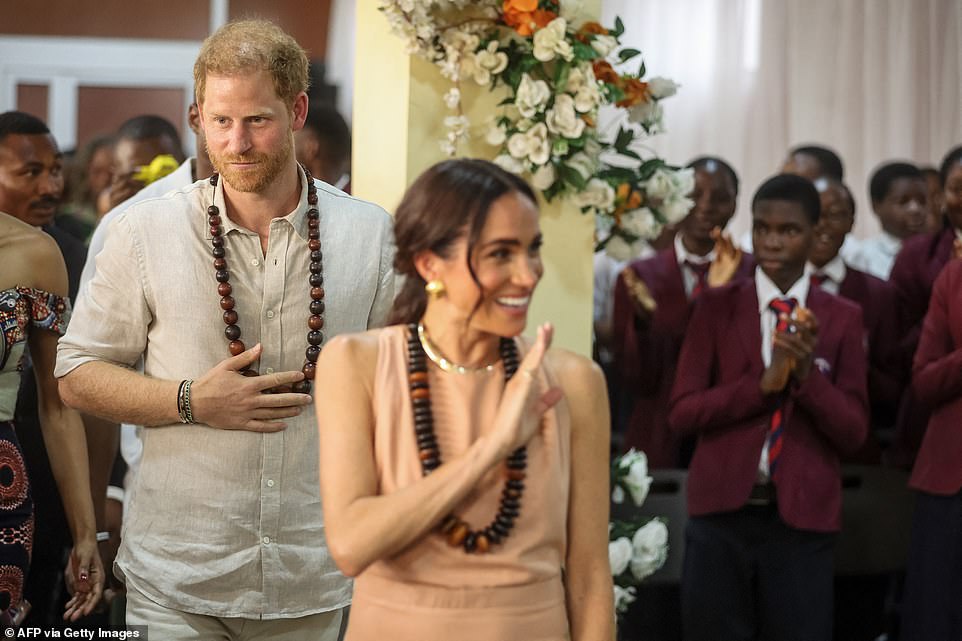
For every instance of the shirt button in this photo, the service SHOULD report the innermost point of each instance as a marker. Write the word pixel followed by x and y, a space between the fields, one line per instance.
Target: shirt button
pixel 255 262
pixel 269 370
pixel 270 313
pixel 266 540
pixel 270 482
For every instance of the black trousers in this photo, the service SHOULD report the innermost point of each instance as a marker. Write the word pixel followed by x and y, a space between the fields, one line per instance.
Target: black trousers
pixel 749 577
pixel 933 586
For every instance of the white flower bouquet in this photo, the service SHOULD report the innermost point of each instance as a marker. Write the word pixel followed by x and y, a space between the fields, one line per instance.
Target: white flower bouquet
pixel 638 548
pixel 557 74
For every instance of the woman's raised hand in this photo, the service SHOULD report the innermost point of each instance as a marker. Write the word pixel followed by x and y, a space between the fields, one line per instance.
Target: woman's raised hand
pixel 525 398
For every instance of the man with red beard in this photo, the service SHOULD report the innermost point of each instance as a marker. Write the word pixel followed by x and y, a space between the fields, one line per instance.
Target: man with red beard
pixel 227 289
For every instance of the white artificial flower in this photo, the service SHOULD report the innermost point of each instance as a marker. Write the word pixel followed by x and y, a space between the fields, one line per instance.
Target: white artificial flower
pixel 642 224
pixel 538 145
pixel 618 495
pixel 649 549
pixel 621 250
pixel 509 163
pixel 448 148
pixel 623 598
pixel 458 125
pixel 489 61
pixel 452 98
pixel 675 209
pixel 648 113
pixel 583 164
pixel 588 97
pixel 531 144
pixel 661 185
pixel 684 181
pixel 576 79
pixel 660 88
pixel 550 42
pixel 544 177
pixel 495 134
pixel 637 479
pixel 598 195
pixel 563 119
pixel 619 555
pixel 559 147
pixel 532 96
pixel 603 44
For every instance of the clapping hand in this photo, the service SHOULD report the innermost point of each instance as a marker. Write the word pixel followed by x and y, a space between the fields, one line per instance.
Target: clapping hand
pixel 727 259
pixel 641 298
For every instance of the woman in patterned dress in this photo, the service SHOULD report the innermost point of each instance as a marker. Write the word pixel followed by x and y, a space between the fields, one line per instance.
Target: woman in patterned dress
pixel 34 311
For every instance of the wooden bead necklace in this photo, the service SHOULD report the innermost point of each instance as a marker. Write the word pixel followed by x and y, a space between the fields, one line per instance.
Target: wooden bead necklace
pixel 316 279
pixel 457 532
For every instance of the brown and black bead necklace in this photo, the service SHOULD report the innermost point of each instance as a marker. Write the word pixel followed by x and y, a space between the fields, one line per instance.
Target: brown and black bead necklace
pixel 315 321
pixel 456 531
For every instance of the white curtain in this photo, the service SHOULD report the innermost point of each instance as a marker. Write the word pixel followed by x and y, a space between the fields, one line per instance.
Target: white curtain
pixel 339 63
pixel 875 80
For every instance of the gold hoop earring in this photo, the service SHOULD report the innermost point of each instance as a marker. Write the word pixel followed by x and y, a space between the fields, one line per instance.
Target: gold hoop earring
pixel 434 288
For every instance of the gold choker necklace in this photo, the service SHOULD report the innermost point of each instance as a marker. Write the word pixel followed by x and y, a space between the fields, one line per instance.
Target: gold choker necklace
pixel 447 366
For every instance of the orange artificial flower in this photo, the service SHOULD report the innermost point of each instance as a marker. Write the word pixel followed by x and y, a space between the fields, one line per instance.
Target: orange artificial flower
pixel 635 91
pixel 593 28
pixel 605 72
pixel 542 17
pixel 626 198
pixel 519 14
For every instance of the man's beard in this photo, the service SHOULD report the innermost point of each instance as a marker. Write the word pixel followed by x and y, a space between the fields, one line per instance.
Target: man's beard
pixel 258 178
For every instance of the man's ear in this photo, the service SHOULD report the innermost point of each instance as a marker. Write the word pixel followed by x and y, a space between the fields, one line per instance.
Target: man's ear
pixel 299 111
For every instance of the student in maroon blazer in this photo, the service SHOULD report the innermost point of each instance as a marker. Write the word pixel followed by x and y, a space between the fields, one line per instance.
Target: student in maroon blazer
pixel 774 398
pixel 876 297
pixel 933 597
pixel 917 266
pixel 647 342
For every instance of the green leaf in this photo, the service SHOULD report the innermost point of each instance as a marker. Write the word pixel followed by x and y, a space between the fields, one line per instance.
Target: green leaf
pixel 642 70
pixel 649 167
pixel 561 75
pixel 624 138
pixel 627 54
pixel 629 153
pixel 572 176
pixel 619 27
pixel 583 52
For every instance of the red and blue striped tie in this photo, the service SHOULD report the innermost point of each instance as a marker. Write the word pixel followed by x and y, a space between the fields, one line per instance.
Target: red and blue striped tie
pixel 783 308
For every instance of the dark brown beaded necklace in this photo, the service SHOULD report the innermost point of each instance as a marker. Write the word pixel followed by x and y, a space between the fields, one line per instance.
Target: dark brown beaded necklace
pixel 457 532
pixel 316 279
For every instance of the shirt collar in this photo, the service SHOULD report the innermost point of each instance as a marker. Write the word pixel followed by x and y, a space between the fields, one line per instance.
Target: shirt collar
pixel 768 291
pixel 889 243
pixel 835 269
pixel 297 219
pixel 683 255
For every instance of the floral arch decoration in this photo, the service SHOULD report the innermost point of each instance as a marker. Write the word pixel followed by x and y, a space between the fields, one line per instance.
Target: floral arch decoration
pixel 558 73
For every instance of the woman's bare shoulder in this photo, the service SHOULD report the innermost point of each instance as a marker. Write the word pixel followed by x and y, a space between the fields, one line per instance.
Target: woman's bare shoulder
pixel 355 352
pixel 577 374
pixel 31 258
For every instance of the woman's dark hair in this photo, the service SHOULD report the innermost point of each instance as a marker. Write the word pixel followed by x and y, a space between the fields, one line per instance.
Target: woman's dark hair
pixel 450 200
pixel 954 156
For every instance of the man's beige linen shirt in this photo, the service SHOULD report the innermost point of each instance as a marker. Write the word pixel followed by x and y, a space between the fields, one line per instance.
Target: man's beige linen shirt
pixel 228 523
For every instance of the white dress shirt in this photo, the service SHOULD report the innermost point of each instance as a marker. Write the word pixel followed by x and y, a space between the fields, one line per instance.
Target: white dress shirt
pixel 876 255
pixel 767 291
pixel 834 271
pixel 131 445
pixel 688 275
pixel 228 523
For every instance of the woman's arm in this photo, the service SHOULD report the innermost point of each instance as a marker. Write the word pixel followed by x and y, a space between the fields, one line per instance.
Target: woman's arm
pixel 65 440
pixel 362 526
pixel 588 584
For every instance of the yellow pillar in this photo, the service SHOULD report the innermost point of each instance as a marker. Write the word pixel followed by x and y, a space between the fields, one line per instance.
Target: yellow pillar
pixel 398 121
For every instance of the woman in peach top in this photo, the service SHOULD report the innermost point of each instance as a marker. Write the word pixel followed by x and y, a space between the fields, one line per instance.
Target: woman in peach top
pixel 464 470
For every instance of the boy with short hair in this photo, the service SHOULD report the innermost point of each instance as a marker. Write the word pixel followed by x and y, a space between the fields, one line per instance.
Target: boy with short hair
pixel 900 200
pixel 772 380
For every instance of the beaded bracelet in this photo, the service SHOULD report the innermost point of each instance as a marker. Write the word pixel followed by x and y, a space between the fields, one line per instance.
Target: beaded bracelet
pixel 183 402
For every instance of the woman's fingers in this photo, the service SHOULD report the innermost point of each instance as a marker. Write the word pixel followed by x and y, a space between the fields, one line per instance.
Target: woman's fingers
pixel 532 360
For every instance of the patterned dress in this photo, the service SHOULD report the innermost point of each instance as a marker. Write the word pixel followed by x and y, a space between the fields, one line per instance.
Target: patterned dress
pixel 22 309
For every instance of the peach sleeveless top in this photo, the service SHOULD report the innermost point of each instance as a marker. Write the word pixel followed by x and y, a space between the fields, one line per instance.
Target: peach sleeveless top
pixel 432 590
